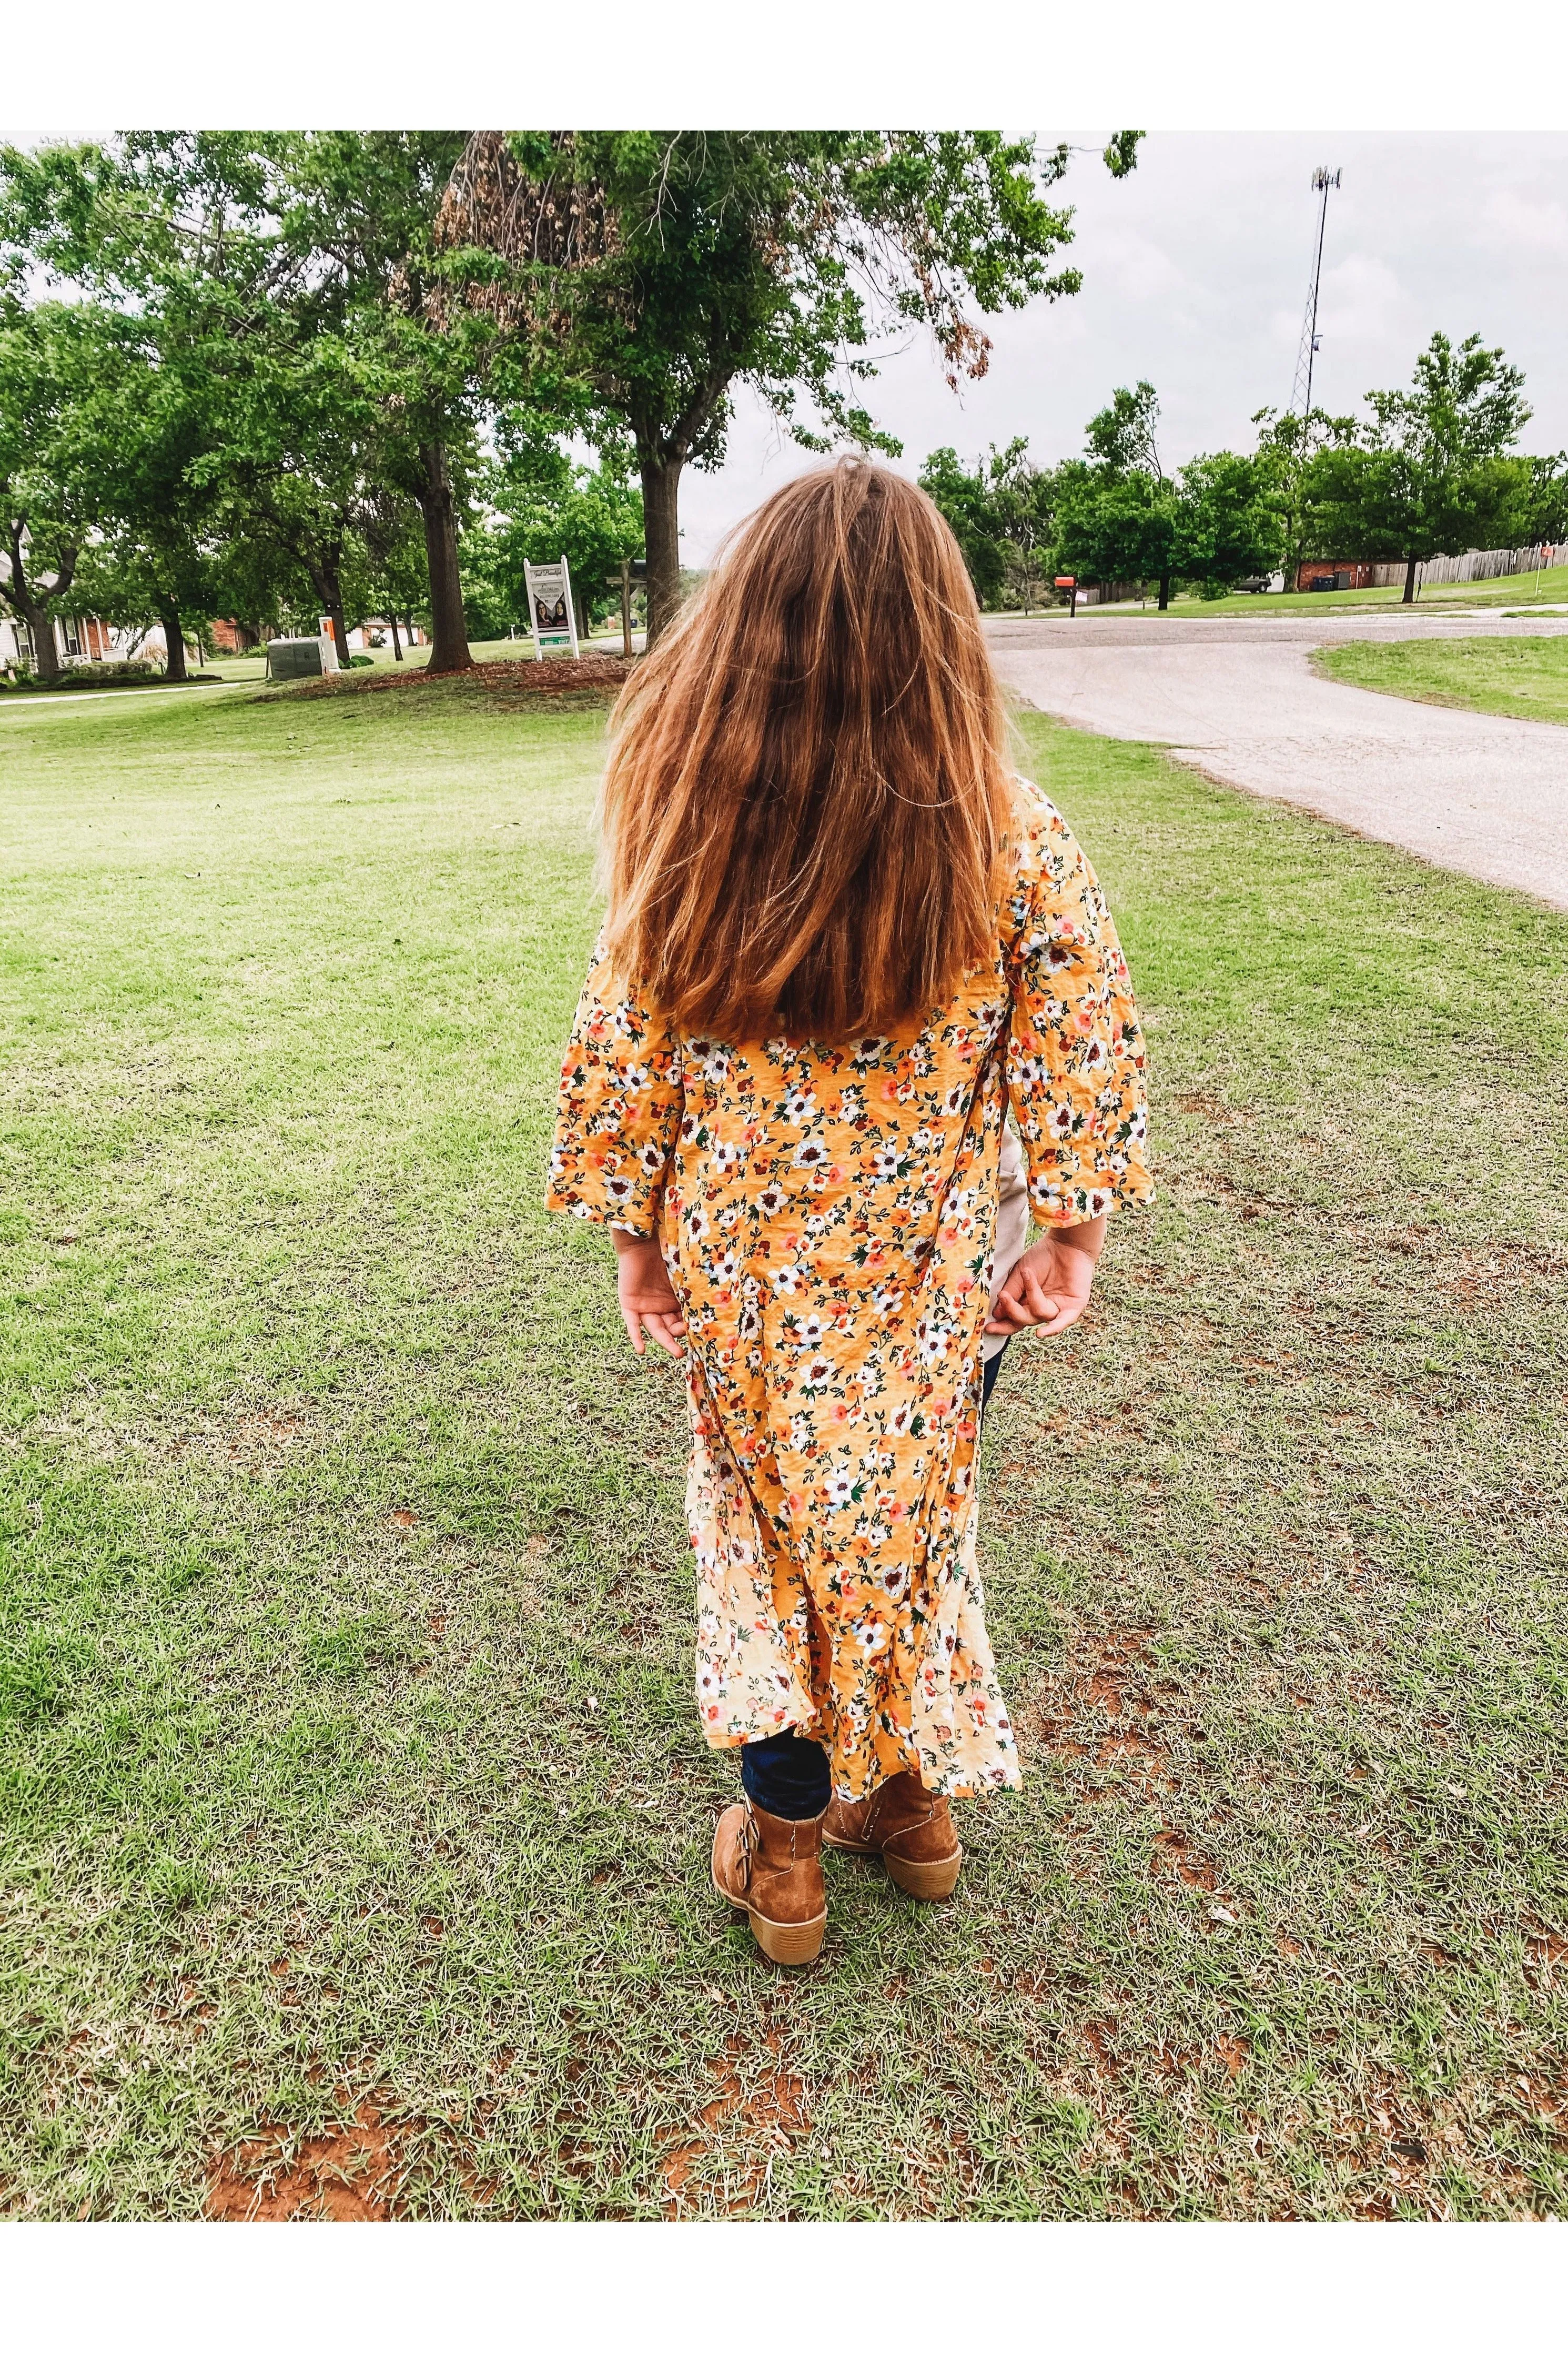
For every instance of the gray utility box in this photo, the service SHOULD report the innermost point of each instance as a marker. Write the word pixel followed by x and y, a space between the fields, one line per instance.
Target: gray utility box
pixel 300 658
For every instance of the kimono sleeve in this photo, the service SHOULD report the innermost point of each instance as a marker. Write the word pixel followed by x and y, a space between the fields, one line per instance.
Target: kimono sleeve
pixel 619 1110
pixel 1075 1062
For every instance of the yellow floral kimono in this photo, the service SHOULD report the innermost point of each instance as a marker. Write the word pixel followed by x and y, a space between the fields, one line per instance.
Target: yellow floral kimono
pixel 826 1215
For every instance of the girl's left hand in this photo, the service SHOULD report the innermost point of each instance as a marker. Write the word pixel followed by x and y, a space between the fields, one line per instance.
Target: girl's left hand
pixel 647 1296
pixel 1048 1288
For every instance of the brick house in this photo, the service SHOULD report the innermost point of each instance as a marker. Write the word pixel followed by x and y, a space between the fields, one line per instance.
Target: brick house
pixel 233 638
pixel 1335 576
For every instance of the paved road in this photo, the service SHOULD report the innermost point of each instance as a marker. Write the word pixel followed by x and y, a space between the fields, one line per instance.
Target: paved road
pixel 1239 699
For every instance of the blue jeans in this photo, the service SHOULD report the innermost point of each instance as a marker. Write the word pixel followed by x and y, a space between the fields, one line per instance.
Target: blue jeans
pixel 787 1776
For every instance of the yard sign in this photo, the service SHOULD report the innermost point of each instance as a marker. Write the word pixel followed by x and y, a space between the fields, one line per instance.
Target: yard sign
pixel 551 614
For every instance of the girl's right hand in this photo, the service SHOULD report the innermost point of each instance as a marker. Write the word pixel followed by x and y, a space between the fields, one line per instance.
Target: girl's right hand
pixel 647 1296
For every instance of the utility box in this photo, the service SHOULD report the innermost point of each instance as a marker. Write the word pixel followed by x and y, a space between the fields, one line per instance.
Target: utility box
pixel 301 658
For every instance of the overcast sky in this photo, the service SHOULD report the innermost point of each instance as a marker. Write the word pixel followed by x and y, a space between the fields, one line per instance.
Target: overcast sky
pixel 1195 275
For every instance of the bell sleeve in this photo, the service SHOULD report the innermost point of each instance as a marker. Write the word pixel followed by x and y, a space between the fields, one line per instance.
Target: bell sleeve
pixel 1075 1061
pixel 618 1112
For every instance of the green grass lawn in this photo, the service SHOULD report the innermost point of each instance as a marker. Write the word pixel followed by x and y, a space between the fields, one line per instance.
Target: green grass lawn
pixel 1522 678
pixel 356 1812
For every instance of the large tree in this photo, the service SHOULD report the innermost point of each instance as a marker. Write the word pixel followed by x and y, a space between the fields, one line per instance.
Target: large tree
pixel 1230 525
pixel 650 273
pixel 297 470
pixel 1121 517
pixel 101 419
pixel 158 238
pixel 965 495
pixel 1547 510
pixel 145 441
pixel 1429 472
pixel 46 363
pixel 1288 442
pixel 1121 525
pixel 1118 516
pixel 1121 437
pixel 359 213
pixel 1025 498
pixel 298 266
pixel 1002 511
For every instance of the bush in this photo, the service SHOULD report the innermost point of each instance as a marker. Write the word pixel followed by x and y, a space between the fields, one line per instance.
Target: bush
pixel 361 661
pixel 77 675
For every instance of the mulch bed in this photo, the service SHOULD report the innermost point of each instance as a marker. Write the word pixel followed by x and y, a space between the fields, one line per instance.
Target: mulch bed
pixel 595 674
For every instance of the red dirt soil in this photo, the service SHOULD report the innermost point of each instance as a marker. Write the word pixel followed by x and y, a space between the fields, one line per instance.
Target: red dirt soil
pixel 350 2174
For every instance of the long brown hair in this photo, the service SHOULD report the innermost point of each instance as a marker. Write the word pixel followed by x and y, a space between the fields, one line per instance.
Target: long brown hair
pixel 808 789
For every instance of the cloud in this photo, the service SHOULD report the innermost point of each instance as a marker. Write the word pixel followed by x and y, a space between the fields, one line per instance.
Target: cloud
pixel 1195 272
pixel 1141 271
pixel 1361 296
pixel 1528 226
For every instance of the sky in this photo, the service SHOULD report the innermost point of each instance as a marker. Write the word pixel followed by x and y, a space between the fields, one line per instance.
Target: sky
pixel 1195 272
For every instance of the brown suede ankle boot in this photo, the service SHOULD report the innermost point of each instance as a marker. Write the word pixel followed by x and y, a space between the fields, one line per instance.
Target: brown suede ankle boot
pixel 772 1869
pixel 911 1829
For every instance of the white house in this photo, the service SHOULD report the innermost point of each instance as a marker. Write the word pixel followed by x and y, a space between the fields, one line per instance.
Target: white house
pixel 75 640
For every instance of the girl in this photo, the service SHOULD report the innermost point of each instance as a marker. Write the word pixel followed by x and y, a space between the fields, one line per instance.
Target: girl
pixel 843 942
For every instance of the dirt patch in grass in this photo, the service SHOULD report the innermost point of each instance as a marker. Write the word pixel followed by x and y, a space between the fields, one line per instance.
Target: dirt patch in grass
pixel 253 1442
pixel 247 1442
pixel 758 2111
pixel 352 2172
pixel 595 674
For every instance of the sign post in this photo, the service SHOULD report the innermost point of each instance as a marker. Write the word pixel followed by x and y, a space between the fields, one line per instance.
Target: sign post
pixel 552 616
pixel 633 570
pixel 1069 580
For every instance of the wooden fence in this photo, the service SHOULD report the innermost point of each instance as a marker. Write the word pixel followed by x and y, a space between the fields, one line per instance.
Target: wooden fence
pixel 1480 563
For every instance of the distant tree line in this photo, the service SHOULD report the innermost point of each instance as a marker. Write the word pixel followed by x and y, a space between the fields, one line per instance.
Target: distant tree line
pixel 261 376
pixel 1431 470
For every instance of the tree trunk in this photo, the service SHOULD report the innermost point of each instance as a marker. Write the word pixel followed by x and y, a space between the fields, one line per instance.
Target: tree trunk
pixel 661 537
pixel 41 628
pixel 1410 564
pixel 448 631
pixel 396 641
pixel 1164 591
pixel 173 645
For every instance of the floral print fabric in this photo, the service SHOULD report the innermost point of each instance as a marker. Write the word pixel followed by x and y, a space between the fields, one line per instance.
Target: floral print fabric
pixel 827 1215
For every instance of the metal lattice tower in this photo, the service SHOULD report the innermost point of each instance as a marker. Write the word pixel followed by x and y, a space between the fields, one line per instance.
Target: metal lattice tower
pixel 1302 391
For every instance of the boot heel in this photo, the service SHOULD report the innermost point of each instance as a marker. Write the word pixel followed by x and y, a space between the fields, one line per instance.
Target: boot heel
pixel 789 1942
pixel 929 1880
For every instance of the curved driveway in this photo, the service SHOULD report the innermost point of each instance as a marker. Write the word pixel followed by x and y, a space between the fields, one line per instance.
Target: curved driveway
pixel 1239 699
